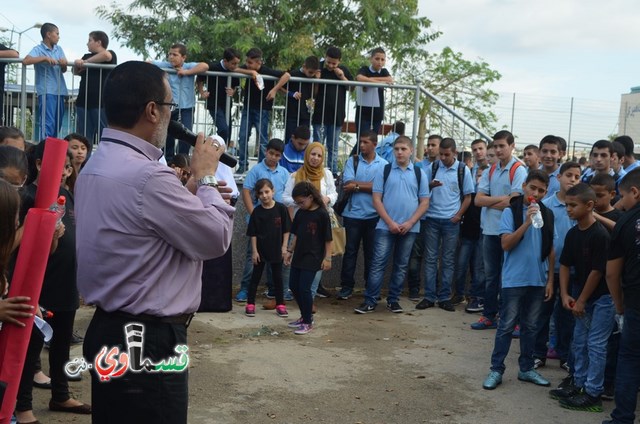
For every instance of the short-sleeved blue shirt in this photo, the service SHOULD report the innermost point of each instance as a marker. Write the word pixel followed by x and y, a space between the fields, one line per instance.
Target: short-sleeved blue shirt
pixel 400 194
pixel 182 88
pixel 49 79
pixel 554 183
pixel 562 225
pixel 499 185
pixel 361 204
pixel 445 199
pixel 522 265
pixel 278 177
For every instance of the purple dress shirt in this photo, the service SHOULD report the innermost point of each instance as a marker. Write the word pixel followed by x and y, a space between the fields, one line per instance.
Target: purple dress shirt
pixel 141 236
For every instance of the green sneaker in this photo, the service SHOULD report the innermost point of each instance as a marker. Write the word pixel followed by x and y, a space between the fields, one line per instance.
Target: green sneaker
pixel 582 402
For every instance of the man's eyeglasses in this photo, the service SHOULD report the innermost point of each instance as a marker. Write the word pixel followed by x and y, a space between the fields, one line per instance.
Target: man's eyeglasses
pixel 172 106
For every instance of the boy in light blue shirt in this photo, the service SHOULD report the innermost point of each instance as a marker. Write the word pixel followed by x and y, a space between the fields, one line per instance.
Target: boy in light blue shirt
pixel 360 217
pixel 451 188
pixel 182 90
pixel 525 280
pixel 406 198
pixel 498 185
pixel 50 64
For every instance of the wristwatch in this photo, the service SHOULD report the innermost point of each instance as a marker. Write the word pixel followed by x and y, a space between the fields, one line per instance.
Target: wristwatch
pixel 357 188
pixel 209 180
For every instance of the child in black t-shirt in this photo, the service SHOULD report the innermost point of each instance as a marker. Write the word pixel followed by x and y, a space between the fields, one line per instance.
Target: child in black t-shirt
pixel 309 251
pixel 623 279
pixel 585 251
pixel 268 228
pixel 605 188
pixel 370 101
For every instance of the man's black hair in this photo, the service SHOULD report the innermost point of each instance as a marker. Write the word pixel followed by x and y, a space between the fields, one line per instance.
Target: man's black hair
pixel 128 89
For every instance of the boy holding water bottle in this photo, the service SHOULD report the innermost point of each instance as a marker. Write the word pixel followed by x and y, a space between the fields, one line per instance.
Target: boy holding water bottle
pixel 526 284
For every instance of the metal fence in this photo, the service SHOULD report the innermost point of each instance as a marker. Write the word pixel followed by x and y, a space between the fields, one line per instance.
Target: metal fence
pixel 529 117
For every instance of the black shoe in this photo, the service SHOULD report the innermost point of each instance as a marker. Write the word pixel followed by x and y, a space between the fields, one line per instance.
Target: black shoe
pixel 566 382
pixel 447 306
pixel 365 308
pixel 564 393
pixel 395 307
pixel 76 339
pixel 456 300
pixel 609 391
pixel 582 402
pixel 322 292
pixel 424 304
pixel 565 366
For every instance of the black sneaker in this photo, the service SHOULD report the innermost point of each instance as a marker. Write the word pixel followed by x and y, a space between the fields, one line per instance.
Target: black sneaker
pixel 539 363
pixel 395 307
pixel 425 304
pixel 365 308
pixel 414 296
pixel 565 366
pixel 582 402
pixel 322 292
pixel 564 393
pixel 456 300
pixel 447 306
pixel 76 339
pixel 566 382
pixel 609 391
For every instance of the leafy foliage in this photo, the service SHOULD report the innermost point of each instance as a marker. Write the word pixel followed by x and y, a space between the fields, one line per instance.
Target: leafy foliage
pixel 286 30
pixel 462 84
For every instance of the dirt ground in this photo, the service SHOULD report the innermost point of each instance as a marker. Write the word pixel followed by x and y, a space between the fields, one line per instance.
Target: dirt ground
pixel 415 367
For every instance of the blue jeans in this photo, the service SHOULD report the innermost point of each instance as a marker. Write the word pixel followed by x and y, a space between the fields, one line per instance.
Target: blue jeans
pixel 415 260
pixel 358 230
pixel 329 135
pixel 628 372
pixel 523 304
pixel 50 112
pixel 300 281
pixel 470 255
pixel 222 125
pixel 364 123
pixel 564 322
pixel 90 123
pixel 258 119
pixel 386 243
pixel 441 236
pixel 589 345
pixel 493 256
pixel 186 117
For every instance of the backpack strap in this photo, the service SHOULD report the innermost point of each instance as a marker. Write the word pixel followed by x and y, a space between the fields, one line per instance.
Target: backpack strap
pixel 461 167
pixel 434 169
pixel 387 171
pixel 512 170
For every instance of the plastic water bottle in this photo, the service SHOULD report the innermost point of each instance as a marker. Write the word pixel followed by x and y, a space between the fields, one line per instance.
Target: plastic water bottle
pixel 59 209
pixel 536 220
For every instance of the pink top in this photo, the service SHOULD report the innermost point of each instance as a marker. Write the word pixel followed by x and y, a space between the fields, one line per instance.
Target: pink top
pixel 142 236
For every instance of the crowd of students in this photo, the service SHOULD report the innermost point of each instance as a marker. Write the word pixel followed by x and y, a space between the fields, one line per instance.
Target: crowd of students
pixel 550 246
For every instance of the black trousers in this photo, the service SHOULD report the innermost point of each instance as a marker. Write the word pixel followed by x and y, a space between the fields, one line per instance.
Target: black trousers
pixel 137 397
pixel 25 389
pixel 62 325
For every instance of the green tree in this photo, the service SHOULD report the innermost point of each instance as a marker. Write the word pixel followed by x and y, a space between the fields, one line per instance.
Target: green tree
pixel 462 84
pixel 286 30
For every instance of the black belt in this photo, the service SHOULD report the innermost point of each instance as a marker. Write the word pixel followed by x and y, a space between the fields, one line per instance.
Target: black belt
pixel 182 319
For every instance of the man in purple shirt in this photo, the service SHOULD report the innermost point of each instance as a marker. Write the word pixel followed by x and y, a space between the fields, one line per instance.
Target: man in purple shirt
pixel 141 240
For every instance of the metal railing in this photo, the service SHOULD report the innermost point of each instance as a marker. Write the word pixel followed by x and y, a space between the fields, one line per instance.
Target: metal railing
pixel 403 102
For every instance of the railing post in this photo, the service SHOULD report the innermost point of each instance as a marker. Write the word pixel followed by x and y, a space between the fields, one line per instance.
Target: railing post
pixel 23 101
pixel 416 113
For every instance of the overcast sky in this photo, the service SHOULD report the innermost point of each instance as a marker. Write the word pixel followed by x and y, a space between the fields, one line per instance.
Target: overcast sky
pixel 585 49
